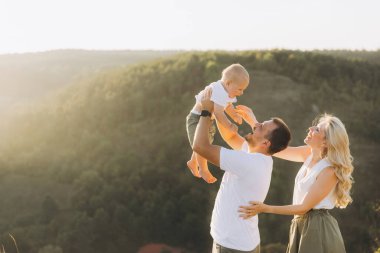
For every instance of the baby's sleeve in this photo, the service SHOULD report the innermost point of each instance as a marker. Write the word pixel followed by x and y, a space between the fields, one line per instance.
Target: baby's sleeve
pixel 219 96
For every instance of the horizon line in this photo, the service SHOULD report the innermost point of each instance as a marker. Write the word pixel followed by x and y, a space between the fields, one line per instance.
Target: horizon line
pixel 185 50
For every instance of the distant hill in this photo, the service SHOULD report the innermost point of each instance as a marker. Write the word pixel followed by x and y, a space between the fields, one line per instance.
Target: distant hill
pixel 358 55
pixel 102 168
pixel 27 77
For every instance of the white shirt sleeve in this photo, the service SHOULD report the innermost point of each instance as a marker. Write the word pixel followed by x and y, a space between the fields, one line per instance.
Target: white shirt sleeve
pixel 241 163
pixel 245 147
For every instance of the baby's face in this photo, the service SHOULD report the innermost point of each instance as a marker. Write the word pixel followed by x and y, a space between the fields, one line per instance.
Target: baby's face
pixel 236 89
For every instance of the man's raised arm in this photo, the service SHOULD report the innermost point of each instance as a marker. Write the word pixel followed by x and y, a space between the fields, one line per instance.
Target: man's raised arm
pixel 201 143
pixel 233 139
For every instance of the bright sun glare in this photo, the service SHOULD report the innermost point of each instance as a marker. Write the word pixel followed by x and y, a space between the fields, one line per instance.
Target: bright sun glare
pixel 232 25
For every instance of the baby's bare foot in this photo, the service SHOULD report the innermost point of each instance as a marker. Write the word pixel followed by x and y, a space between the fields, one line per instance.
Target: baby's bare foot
pixel 192 165
pixel 207 176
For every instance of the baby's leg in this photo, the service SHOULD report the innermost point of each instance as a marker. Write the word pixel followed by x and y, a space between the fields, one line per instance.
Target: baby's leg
pixel 193 165
pixel 203 169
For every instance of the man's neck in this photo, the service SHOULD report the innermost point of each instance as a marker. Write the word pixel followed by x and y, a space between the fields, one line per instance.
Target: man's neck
pixel 258 150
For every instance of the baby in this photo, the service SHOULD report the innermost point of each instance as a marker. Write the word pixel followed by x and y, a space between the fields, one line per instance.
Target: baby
pixel 235 80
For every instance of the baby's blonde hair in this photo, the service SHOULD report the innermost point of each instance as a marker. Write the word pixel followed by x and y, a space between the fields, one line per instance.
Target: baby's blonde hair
pixel 235 72
pixel 338 154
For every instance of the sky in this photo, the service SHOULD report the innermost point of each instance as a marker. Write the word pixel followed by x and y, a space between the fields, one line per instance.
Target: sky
pixel 40 25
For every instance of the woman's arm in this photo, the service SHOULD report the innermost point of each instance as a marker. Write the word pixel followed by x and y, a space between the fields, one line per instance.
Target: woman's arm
pixel 295 154
pixel 325 182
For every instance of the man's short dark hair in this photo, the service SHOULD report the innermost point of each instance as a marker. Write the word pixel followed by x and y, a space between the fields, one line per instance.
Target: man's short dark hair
pixel 279 137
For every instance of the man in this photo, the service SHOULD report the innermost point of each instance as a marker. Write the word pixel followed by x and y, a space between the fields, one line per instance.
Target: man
pixel 247 175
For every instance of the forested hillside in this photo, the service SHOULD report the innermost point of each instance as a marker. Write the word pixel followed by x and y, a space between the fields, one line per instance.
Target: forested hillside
pixel 356 55
pixel 102 167
pixel 25 78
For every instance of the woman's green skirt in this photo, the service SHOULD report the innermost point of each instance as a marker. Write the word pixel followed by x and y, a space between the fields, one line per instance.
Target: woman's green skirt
pixel 315 232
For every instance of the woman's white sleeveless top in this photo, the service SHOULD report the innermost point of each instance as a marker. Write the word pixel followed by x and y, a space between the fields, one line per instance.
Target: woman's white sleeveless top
pixel 304 182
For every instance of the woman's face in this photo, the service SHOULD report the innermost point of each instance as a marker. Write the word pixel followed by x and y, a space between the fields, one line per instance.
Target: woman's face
pixel 316 136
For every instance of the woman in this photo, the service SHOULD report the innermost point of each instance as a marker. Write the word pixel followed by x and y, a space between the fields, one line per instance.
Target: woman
pixel 323 182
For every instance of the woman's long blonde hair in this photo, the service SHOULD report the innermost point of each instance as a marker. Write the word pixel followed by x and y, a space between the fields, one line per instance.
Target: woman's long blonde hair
pixel 338 154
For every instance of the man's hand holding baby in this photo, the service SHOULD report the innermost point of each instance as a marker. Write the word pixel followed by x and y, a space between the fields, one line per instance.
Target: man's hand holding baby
pixel 207 104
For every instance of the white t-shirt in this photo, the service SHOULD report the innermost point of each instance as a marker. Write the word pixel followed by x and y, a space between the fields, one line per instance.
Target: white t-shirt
pixel 304 182
pixel 247 177
pixel 219 96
